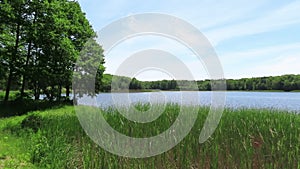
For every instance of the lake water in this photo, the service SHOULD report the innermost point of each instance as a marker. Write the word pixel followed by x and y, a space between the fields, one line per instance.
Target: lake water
pixel 273 100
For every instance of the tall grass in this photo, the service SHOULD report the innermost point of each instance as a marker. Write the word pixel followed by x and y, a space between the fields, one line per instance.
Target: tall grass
pixel 245 138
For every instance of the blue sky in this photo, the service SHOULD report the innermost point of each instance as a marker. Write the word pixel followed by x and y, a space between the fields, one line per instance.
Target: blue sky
pixel 251 38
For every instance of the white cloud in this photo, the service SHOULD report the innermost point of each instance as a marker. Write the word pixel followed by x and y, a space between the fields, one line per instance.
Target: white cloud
pixel 232 58
pixel 221 21
pixel 213 13
pixel 278 19
pixel 273 60
pixel 203 14
pixel 288 64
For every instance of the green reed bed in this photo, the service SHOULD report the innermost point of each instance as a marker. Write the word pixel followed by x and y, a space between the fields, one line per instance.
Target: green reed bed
pixel 244 138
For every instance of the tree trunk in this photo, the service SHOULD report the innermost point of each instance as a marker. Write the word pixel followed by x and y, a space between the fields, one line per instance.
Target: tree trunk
pixel 26 65
pixel 11 66
pixel 68 91
pixel 27 62
pixel 74 97
pixel 8 85
pixel 36 91
pixel 59 92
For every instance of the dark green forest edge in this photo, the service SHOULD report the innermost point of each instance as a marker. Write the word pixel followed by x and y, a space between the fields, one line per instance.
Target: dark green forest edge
pixel 40 42
pixel 272 83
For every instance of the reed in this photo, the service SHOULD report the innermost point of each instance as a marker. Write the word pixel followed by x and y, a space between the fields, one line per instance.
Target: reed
pixel 244 138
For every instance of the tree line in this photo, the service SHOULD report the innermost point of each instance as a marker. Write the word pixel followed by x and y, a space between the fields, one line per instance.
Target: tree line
pixel 284 83
pixel 40 41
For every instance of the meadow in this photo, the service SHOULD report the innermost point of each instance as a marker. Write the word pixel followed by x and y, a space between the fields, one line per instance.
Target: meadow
pixel 245 138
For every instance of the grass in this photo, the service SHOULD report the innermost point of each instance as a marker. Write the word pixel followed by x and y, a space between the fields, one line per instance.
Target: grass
pixel 16 106
pixel 12 95
pixel 14 147
pixel 21 107
pixel 245 138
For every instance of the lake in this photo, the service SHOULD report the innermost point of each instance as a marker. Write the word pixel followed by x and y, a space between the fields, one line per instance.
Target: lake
pixel 234 99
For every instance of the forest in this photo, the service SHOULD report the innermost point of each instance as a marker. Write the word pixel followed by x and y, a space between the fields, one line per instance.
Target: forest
pixel 40 42
pixel 282 83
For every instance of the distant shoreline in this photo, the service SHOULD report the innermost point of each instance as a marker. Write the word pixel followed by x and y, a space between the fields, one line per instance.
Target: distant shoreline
pixel 157 90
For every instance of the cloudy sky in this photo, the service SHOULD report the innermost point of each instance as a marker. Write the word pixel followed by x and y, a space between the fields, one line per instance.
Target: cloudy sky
pixel 251 38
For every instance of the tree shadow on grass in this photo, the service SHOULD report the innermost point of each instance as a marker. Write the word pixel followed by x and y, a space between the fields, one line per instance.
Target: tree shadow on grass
pixel 21 107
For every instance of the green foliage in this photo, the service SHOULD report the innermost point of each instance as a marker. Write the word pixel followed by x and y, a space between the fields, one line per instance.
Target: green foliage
pixel 32 122
pixel 14 144
pixel 244 138
pixel 89 64
pixel 40 41
pixel 105 83
pixel 283 83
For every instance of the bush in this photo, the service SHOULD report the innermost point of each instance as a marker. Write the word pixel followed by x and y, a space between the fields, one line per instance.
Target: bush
pixel 32 122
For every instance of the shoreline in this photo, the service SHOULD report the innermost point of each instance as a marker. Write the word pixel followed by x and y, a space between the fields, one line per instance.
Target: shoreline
pixel 157 90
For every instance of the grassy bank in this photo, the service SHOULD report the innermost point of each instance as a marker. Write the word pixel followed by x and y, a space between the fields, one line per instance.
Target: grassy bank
pixel 244 139
pixel 21 107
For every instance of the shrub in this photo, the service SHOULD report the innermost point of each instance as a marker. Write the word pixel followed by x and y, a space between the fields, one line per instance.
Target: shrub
pixel 33 122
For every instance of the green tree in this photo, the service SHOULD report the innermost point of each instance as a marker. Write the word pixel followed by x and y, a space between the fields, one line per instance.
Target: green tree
pixel 135 84
pixel 63 30
pixel 40 43
pixel 89 68
pixel 12 29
